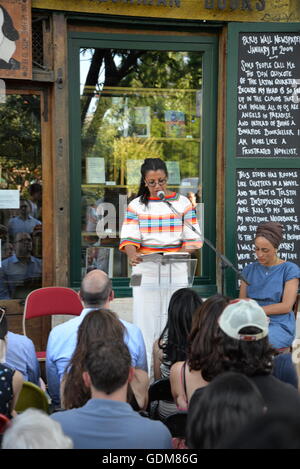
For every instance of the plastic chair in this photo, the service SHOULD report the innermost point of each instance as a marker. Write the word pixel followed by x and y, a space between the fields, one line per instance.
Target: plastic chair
pixel 49 301
pixel 32 396
pixel 160 390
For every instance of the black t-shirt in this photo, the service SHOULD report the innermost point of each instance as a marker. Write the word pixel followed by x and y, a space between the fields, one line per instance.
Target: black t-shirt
pixel 277 395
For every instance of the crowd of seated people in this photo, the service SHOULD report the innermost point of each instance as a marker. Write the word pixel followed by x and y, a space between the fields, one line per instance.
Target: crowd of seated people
pixel 221 368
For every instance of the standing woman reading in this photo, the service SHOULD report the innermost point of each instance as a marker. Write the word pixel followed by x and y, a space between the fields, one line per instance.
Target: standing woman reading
pixel 149 227
pixel 273 284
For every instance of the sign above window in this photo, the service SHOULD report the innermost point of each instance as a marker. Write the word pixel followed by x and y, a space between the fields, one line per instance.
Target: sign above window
pixel 202 10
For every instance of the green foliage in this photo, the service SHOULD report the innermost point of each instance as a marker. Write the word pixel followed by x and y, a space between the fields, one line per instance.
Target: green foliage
pixel 20 140
pixel 161 81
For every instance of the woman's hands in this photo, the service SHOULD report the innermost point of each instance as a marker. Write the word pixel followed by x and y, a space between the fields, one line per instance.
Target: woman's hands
pixel 133 257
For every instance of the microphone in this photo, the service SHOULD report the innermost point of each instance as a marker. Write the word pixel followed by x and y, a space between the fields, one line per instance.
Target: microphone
pixel 161 195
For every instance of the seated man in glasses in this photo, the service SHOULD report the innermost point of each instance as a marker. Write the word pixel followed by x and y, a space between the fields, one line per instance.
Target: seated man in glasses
pixel 24 222
pixel 21 272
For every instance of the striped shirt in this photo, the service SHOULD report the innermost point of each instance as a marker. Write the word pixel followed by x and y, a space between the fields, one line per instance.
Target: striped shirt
pixel 155 228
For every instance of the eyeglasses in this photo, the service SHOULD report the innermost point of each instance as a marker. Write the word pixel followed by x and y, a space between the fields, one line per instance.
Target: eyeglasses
pixel 160 182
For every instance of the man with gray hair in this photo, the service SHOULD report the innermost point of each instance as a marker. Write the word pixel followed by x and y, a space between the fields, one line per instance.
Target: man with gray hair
pixel 95 292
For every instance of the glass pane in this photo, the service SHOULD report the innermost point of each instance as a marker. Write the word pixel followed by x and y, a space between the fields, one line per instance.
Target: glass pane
pixel 134 105
pixel 20 196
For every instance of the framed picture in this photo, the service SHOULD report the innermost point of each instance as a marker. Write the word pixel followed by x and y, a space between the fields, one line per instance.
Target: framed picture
pixel 101 258
pixel 15 41
pixel 173 172
pixel 95 170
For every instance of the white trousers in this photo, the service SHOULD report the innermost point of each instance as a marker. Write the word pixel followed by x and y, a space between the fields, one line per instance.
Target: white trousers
pixel 151 299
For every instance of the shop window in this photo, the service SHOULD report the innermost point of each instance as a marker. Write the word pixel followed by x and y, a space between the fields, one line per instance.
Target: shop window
pixel 130 100
pixel 140 104
pixel 20 196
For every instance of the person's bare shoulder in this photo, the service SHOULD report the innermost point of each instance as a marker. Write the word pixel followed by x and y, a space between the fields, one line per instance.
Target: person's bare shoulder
pixel 175 370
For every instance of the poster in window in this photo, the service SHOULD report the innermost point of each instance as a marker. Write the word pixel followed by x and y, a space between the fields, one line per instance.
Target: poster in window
pixel 95 170
pixel 173 172
pixel 100 258
pixel 15 40
pixel 175 124
pixel 141 122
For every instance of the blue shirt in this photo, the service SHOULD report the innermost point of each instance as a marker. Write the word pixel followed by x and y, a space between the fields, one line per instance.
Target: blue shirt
pixel 13 273
pixel 21 356
pixel 19 225
pixel 107 424
pixel 62 343
pixel 266 287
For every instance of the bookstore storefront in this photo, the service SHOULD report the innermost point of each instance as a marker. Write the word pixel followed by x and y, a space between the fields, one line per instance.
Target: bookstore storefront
pixel 91 88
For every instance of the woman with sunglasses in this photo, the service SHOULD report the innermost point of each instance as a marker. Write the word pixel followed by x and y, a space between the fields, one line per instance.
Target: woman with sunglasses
pixel 151 227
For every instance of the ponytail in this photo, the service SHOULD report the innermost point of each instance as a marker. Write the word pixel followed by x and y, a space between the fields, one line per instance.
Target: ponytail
pixel 143 192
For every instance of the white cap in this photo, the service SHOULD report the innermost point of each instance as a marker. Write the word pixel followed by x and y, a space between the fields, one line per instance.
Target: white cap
pixel 244 313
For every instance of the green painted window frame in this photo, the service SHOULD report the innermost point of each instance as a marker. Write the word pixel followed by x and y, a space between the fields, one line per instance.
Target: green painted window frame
pixel 208 46
pixel 232 162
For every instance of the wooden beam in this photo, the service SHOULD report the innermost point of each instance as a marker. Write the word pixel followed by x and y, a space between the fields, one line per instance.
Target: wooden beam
pixel 43 76
pixel 60 140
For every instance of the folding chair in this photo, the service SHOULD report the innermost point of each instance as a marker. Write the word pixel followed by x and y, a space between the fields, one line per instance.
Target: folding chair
pixel 32 396
pixel 49 301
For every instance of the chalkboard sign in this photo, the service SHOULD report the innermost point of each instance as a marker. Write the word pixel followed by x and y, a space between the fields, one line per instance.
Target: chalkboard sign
pixel 267 195
pixel 268 123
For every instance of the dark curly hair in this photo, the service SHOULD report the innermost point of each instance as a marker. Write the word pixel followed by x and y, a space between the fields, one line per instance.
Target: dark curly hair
pixel 251 358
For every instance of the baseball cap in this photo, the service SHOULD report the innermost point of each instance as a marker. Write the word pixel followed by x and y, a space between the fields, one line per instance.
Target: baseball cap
pixel 244 313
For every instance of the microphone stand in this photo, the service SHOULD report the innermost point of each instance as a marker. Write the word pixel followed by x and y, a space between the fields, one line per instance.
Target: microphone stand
pixel 225 262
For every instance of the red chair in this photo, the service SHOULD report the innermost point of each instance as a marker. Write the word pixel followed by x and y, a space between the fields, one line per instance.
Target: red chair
pixel 4 421
pixel 49 301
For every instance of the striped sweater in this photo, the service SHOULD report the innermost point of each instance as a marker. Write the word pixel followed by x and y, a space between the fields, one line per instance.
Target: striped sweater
pixel 156 228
